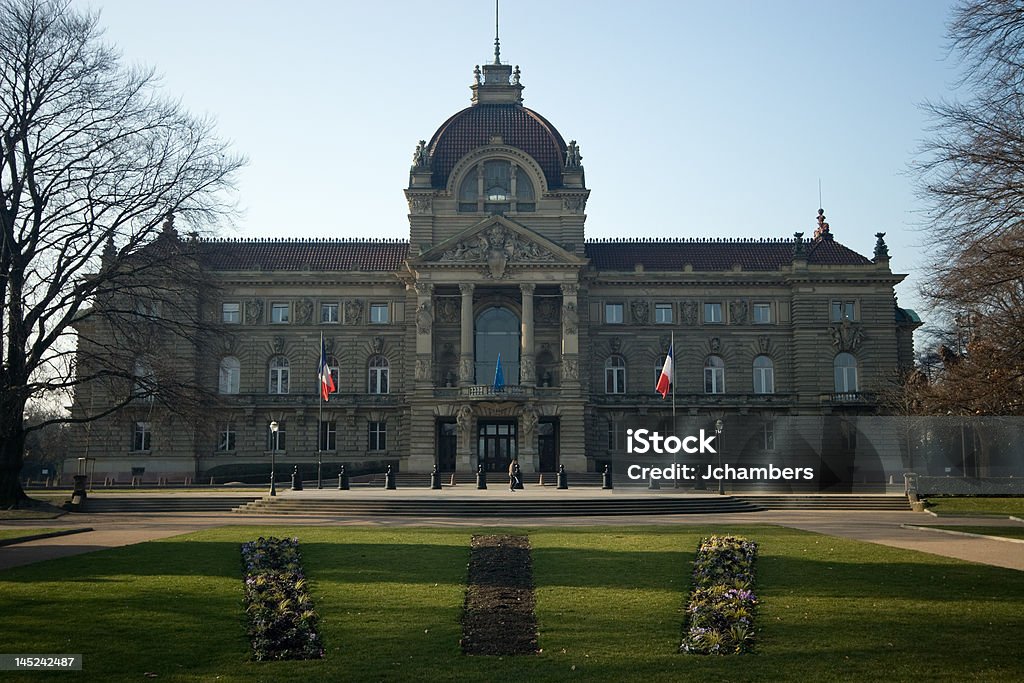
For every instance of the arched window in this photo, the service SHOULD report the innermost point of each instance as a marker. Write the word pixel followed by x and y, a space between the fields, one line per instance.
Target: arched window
pixel 278 375
pixel 615 375
pixel 846 373
pixel 332 363
pixel 714 375
pixel 144 384
pixel 764 375
pixel 497 332
pixel 378 375
pixel 230 375
pixel 496 186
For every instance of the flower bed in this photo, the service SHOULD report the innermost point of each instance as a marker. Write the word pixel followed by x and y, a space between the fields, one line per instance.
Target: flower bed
pixel 282 622
pixel 720 613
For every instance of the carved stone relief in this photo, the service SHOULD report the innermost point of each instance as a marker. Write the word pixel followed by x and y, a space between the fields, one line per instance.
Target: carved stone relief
pixel 354 312
pixel 570 318
pixel 304 311
pixel 466 370
pixel 688 312
pixel 570 369
pixel 615 344
pixel 738 312
pixel 421 204
pixel 496 247
pixel 763 343
pixel 278 345
pixel 641 312
pixel 447 310
pixel 527 369
pixel 715 345
pixel 424 318
pixel 378 344
pixel 546 311
pixel 846 337
pixel 254 311
pixel 423 369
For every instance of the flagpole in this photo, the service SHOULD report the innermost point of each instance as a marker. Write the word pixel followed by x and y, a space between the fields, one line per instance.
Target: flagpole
pixel 320 425
pixel 672 350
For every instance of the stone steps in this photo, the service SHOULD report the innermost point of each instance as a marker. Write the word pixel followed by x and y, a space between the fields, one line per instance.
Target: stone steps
pixel 144 504
pixel 505 507
pixel 833 502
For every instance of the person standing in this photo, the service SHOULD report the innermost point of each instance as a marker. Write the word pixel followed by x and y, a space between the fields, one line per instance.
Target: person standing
pixel 513 475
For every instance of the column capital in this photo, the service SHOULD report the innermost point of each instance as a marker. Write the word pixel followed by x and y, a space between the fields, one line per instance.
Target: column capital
pixel 527 288
pixel 424 288
pixel 570 289
pixel 467 287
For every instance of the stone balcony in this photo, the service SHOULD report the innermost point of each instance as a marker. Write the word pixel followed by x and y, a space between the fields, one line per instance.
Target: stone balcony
pixel 486 392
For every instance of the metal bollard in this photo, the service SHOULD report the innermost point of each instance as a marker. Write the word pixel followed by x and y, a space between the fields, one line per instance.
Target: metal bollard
pixel 296 479
pixel 563 478
pixel 481 477
pixel 343 483
pixel 435 479
pixel 606 478
pixel 389 479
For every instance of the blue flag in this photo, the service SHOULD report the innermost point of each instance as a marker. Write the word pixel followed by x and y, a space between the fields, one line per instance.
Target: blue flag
pixel 499 376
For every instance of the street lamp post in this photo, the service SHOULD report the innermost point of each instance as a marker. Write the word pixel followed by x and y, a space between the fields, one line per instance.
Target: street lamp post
pixel 718 440
pixel 273 455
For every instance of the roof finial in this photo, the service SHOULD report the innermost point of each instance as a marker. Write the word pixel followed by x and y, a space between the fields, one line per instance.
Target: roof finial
pixel 497 42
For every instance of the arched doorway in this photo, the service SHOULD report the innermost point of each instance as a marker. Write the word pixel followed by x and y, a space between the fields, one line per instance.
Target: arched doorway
pixel 497 332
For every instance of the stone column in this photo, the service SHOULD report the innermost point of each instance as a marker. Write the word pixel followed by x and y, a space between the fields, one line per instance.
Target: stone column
pixel 466 344
pixel 570 336
pixel 527 368
pixel 424 332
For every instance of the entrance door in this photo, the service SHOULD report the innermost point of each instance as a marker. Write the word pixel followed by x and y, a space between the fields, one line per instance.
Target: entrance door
pixel 447 444
pixel 496 445
pixel 547 444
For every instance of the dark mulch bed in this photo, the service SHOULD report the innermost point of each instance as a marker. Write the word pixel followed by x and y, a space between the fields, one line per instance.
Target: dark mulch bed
pixel 498 617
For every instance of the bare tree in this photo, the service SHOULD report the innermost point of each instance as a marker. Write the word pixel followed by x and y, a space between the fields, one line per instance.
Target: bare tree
pixel 93 158
pixel 972 177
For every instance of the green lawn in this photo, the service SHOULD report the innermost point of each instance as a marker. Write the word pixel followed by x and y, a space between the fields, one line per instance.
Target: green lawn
pixel 609 607
pixel 1004 531
pixel 6 534
pixel 1004 507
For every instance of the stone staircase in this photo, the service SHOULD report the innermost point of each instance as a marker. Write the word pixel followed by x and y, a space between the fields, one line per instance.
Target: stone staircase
pixel 144 503
pixel 613 505
pixel 827 502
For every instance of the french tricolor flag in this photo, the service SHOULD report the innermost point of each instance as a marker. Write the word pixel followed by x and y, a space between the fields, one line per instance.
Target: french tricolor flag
pixel 667 370
pixel 326 381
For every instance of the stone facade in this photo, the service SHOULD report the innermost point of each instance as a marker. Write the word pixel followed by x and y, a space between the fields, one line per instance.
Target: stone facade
pixel 497 262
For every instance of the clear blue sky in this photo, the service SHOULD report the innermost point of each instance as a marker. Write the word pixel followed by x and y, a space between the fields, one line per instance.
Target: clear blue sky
pixel 694 119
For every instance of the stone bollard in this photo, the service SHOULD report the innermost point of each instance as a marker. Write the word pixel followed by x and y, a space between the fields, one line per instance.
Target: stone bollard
pixel 211 481
pixel 343 483
pixel 389 479
pixel 453 480
pixel 481 477
pixel 296 479
pixel 519 478
pixel 563 478
pixel 653 484
pixel 435 479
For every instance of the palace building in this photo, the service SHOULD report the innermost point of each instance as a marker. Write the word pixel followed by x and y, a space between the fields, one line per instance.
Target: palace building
pixel 498 264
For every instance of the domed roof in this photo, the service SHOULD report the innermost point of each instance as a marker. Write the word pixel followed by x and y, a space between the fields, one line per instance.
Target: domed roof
pixel 518 127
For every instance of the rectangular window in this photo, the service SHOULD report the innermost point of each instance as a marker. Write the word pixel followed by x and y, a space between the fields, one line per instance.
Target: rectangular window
pixel 613 314
pixel 614 435
pixel 762 314
pixel 329 435
pixel 226 436
pixel 843 310
pixel 231 314
pixel 277 441
pixel 280 313
pixel 377 433
pixel 663 313
pixel 378 314
pixel 713 313
pixel 328 313
pixel 142 436
pixel 768 436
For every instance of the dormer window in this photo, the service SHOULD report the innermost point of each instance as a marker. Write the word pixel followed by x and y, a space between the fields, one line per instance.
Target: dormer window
pixel 496 186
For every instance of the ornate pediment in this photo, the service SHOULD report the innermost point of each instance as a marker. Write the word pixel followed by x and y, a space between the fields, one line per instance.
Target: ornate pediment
pixel 496 246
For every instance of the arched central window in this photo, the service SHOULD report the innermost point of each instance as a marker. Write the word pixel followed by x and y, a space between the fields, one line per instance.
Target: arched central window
pixel 497 332
pixel 278 375
pixel 846 374
pixel 230 375
pixel 615 375
pixel 714 375
pixel 764 375
pixel 496 186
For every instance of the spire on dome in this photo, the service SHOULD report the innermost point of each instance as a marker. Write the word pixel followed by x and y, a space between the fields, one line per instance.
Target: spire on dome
pixel 498 84
pixel 497 41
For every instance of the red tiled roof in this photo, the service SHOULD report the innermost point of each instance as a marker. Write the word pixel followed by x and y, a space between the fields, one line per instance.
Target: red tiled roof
pixel 517 125
pixel 715 255
pixel 365 255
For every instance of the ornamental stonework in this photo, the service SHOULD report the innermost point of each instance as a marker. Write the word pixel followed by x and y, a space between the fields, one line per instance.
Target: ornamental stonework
pixel 497 247
pixel 254 311
pixel 354 312
pixel 641 312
